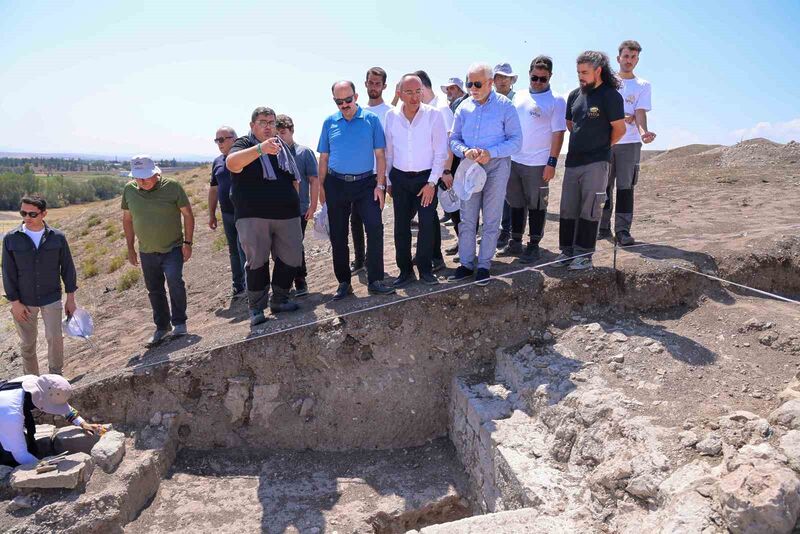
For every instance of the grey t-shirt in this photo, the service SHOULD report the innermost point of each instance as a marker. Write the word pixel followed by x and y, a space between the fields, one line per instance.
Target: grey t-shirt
pixel 307 165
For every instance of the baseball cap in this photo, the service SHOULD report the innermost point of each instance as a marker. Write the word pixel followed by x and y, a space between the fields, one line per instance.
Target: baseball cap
pixel 452 81
pixel 49 393
pixel 505 69
pixel 143 167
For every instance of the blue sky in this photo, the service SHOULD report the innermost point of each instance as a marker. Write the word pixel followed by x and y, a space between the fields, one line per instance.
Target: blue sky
pixel 120 78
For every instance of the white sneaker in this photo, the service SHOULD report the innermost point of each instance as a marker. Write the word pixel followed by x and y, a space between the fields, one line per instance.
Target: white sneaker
pixel 580 264
pixel 562 260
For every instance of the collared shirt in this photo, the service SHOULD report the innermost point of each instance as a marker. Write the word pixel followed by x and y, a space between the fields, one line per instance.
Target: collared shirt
pixel 455 103
pixel 351 143
pixel 444 109
pixel 33 275
pixel 418 145
pixel 307 165
pixel 221 179
pixel 493 126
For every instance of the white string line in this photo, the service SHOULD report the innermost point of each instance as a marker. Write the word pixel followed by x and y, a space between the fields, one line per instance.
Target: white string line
pixel 773 295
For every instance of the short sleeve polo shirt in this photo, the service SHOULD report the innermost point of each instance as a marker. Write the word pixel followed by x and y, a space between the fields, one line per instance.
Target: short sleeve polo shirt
pixel 351 144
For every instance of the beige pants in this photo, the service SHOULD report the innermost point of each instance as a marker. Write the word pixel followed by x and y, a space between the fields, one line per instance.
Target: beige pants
pixel 28 332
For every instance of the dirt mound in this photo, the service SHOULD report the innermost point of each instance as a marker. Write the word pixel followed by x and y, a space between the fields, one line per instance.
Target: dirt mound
pixel 680 153
pixel 760 152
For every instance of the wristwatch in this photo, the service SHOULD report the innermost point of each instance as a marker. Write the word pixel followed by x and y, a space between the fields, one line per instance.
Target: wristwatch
pixel 381 187
pixel 187 243
pixel 447 171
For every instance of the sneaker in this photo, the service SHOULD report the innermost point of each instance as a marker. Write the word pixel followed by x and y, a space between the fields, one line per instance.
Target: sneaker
pixel 403 280
pixel 580 264
pixel 531 254
pixel 502 241
pixel 482 277
pixel 438 265
pixel 157 337
pixel 300 287
pixel 179 330
pixel 460 274
pixel 379 288
pixel 357 267
pixel 428 279
pixel 257 318
pixel 604 233
pixel 513 248
pixel 625 239
pixel 452 251
pixel 562 260
pixel 342 291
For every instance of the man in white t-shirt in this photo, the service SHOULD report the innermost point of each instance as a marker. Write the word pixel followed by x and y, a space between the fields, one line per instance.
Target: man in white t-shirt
pixel 624 169
pixel 542 116
pixel 375 84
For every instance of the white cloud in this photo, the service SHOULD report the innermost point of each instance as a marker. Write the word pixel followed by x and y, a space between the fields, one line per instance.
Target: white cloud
pixel 781 132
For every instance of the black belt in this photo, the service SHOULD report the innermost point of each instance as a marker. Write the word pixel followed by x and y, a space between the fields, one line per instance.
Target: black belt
pixel 413 173
pixel 351 177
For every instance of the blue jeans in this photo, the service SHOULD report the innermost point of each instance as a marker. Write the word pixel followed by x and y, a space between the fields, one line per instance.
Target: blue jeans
pixel 235 251
pixel 156 267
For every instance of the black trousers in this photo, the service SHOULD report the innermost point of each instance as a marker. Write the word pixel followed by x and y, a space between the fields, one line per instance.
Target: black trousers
pixel 405 188
pixel 357 228
pixel 343 198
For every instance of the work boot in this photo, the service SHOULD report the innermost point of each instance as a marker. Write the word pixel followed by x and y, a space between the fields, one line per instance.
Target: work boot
pixel 625 239
pixel 257 317
pixel 502 241
pixel 300 287
pixel 280 302
pixel 179 330
pixel 531 254
pixel 513 248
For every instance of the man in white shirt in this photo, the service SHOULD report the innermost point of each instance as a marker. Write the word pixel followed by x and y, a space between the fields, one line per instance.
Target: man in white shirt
pixel 542 118
pixel 624 169
pixel 375 84
pixel 416 155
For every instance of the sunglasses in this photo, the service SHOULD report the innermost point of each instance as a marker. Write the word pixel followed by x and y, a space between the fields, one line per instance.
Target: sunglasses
pixel 477 85
pixel 31 214
pixel 220 140
pixel 264 124
pixel 340 101
pixel 542 79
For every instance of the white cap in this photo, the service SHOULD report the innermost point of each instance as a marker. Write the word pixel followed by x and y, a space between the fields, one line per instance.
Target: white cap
pixel 452 81
pixel 449 200
pixel 143 167
pixel 470 178
pixel 504 69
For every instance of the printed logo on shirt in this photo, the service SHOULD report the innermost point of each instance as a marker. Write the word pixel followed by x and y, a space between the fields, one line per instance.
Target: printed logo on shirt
pixel 593 113
pixel 536 112
pixel 630 99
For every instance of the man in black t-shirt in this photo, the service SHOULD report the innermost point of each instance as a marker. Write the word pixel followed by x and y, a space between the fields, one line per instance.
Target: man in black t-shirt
pixel 596 120
pixel 267 208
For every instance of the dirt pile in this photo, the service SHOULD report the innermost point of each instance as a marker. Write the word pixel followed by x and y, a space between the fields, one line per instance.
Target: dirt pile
pixel 758 152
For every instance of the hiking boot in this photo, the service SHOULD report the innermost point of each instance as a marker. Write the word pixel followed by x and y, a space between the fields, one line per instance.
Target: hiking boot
pixel 604 233
pixel 581 264
pixel 502 241
pixel 280 302
pixel 452 251
pixel 562 260
pixel 531 254
pixel 157 337
pixel 300 287
pixel 403 280
pixel 179 330
pixel 438 265
pixel 513 248
pixel 428 279
pixel 257 317
pixel 357 267
pixel 379 288
pixel 460 274
pixel 625 239
pixel 482 277
pixel 343 290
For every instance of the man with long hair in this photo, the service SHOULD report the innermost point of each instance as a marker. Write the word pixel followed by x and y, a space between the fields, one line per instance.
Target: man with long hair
pixel 596 120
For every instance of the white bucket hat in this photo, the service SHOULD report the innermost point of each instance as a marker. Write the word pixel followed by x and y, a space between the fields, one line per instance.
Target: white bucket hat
pixel 470 178
pixel 452 81
pixel 79 324
pixel 449 200
pixel 49 393
pixel 143 167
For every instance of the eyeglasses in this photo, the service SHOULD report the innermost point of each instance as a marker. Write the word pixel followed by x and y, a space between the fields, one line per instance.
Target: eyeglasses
pixel 264 124
pixel 31 214
pixel 340 101
pixel 542 79
pixel 477 85
pixel 220 140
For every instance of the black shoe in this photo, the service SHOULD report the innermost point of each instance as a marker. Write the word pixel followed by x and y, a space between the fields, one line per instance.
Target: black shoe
pixel 438 265
pixel 379 288
pixel 502 241
pixel 428 279
pixel 625 239
pixel 343 290
pixel 446 217
pixel 285 306
pixel 414 223
pixel 300 287
pixel 357 267
pixel 531 254
pixel 452 251
pixel 460 274
pixel 482 277
pixel 403 280
pixel 513 248
pixel 604 233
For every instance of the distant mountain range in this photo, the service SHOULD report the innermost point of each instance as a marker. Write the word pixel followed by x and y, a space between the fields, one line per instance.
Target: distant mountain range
pixel 103 157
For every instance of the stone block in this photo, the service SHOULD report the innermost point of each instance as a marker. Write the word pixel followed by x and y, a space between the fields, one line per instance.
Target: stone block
pixel 73 439
pixel 787 415
pixel 236 397
pixel 265 401
pixel 44 439
pixel 108 452
pixel 73 470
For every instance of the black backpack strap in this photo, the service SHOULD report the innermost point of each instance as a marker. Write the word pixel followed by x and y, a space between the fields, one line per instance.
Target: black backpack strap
pixel 30 424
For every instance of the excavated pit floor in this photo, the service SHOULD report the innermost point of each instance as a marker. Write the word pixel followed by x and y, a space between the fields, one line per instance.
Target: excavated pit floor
pixel 307 492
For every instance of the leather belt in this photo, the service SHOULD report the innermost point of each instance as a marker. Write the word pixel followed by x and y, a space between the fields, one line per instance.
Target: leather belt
pixel 351 177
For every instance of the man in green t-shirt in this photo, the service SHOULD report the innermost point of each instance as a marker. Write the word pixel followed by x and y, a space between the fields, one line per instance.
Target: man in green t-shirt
pixel 152 207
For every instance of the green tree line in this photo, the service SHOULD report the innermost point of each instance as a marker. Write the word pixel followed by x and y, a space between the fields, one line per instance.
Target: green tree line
pixel 57 190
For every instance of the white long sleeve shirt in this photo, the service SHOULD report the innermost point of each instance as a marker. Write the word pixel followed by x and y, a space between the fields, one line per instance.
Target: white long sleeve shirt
pixel 418 145
pixel 12 423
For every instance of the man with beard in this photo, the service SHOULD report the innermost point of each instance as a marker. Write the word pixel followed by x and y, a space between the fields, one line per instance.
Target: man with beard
pixel 596 120
pixel 624 170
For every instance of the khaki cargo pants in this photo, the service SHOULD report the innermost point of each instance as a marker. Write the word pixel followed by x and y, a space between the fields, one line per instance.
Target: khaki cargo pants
pixel 28 332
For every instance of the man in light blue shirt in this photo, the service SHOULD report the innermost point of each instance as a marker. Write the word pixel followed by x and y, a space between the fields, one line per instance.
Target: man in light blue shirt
pixel 486 130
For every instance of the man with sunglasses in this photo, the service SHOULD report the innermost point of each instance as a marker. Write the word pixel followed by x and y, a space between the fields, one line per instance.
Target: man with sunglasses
pixel 352 170
pixel 36 259
pixel 487 131
pixel 542 117
pixel 623 173
pixel 220 190
pixel 152 208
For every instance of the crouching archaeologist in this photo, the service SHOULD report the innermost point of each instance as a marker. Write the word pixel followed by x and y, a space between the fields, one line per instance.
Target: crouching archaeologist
pixel 18 398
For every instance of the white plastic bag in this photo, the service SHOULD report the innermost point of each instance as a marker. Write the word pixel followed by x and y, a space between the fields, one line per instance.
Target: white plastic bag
pixel 322 229
pixel 79 324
